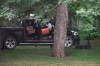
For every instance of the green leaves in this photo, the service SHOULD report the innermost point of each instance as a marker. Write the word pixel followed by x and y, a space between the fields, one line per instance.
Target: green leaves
pixel 12 8
pixel 66 1
pixel 87 27
pixel 7 13
pixel 88 10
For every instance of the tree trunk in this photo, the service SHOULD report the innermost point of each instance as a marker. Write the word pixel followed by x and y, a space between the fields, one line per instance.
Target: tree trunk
pixel 60 30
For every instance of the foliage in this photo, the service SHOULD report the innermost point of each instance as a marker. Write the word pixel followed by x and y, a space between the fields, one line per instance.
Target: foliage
pixel 88 11
pixel 85 12
pixel 87 25
pixel 68 1
pixel 12 8
pixel 85 36
pixel 7 13
pixel 93 35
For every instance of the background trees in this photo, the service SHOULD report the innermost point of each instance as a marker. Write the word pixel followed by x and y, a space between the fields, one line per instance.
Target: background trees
pixel 81 12
pixel 88 12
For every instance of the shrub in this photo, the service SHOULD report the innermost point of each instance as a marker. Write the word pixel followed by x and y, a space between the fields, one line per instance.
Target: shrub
pixel 93 35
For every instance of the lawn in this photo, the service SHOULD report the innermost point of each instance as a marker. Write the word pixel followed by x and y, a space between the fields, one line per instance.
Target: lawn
pixel 41 56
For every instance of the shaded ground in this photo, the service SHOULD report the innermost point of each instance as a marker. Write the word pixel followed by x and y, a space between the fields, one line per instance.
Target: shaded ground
pixel 40 56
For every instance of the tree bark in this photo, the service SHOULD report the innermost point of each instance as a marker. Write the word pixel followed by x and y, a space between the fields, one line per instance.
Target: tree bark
pixel 60 30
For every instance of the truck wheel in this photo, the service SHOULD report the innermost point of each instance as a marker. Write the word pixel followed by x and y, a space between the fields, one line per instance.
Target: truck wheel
pixel 69 42
pixel 10 42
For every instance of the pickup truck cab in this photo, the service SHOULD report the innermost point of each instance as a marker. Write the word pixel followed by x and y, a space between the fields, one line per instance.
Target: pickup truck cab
pixel 27 34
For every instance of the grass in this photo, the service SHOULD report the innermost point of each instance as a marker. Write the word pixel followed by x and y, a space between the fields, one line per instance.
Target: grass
pixel 41 56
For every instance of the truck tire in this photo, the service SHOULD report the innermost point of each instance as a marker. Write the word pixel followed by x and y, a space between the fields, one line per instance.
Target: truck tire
pixel 10 42
pixel 69 41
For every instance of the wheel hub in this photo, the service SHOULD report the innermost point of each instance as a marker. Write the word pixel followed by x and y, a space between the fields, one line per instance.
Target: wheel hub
pixel 10 43
pixel 68 42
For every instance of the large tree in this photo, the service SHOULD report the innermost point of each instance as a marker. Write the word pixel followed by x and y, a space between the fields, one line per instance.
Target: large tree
pixel 60 30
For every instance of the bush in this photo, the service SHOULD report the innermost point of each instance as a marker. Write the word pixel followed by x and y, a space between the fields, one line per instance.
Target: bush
pixel 93 35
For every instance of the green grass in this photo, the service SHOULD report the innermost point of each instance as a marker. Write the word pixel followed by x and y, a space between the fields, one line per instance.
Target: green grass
pixel 41 56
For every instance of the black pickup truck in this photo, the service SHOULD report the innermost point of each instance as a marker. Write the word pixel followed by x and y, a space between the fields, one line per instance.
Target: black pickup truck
pixel 10 37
